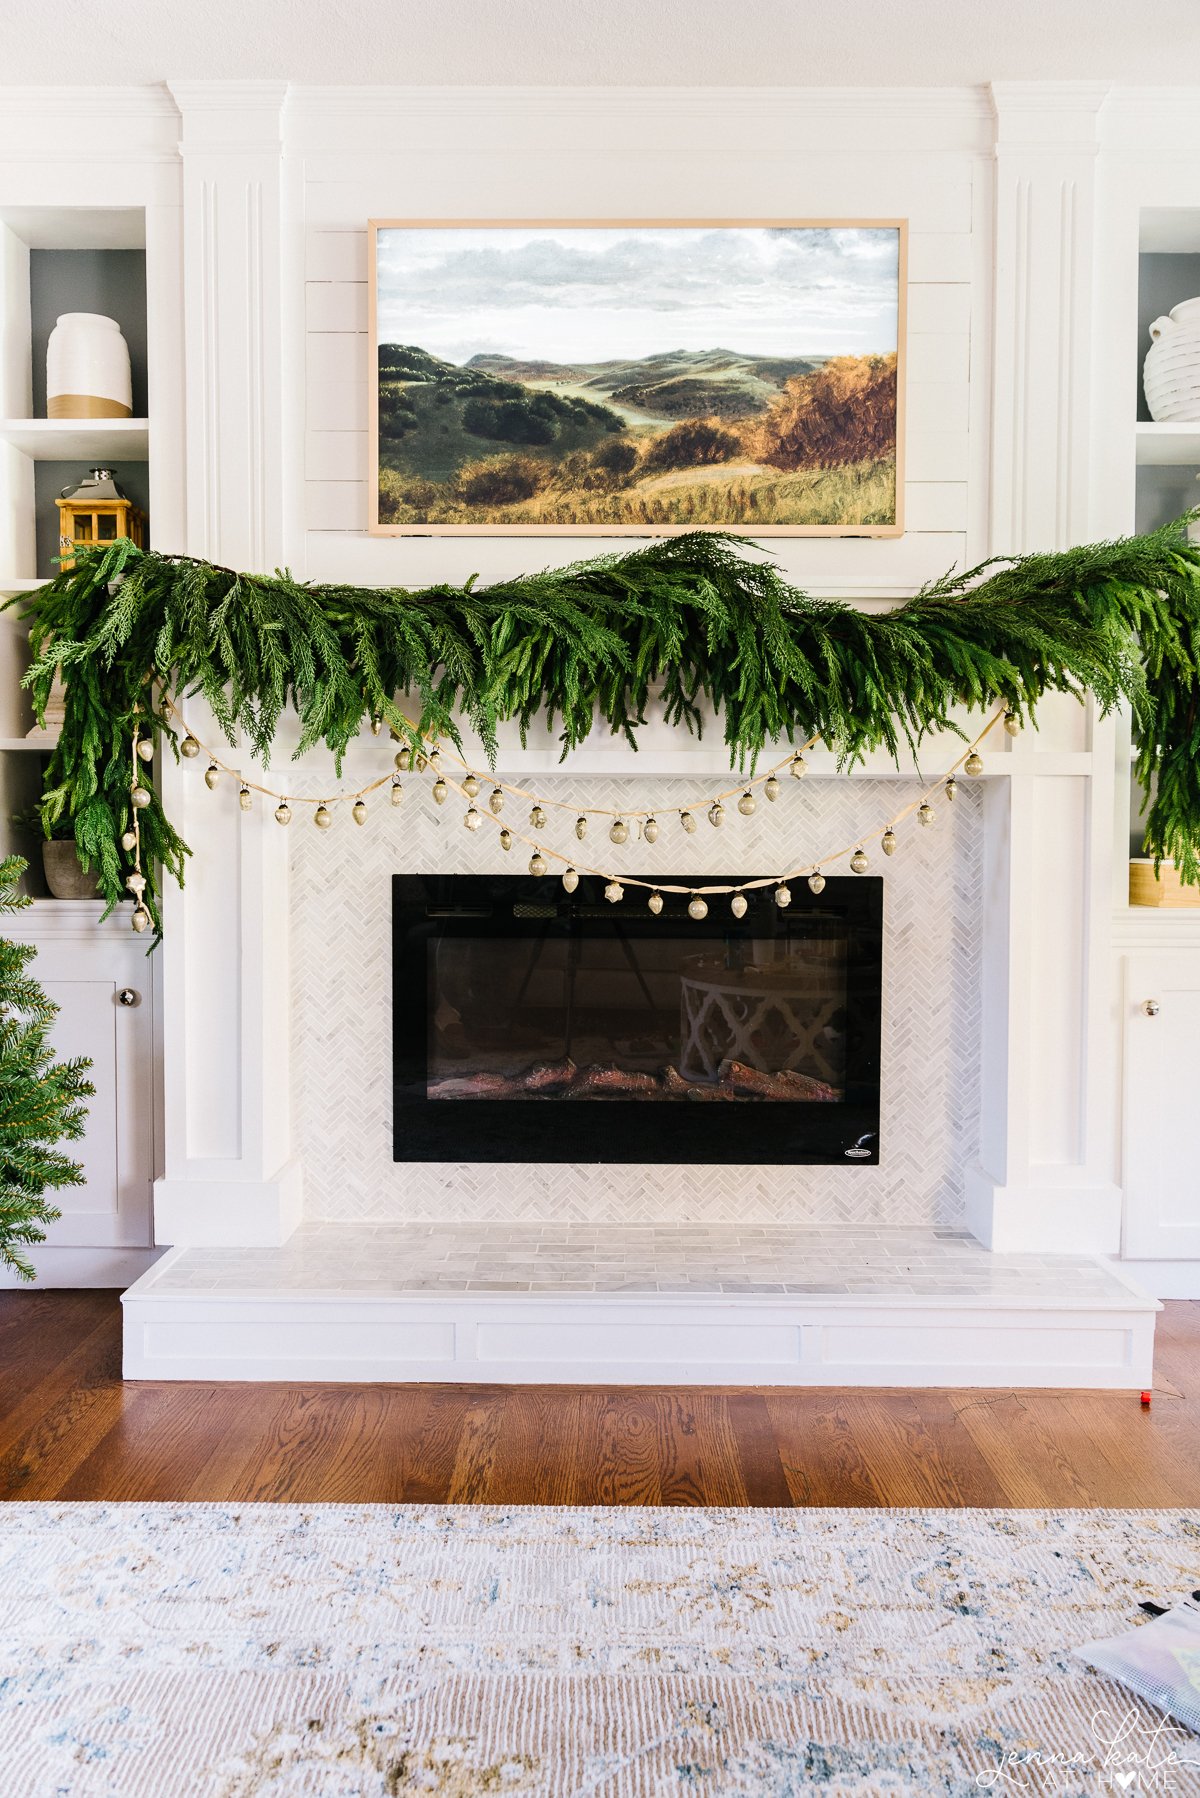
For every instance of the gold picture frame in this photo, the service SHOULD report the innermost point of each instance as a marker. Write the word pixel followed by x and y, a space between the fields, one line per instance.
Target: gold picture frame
pixel 554 404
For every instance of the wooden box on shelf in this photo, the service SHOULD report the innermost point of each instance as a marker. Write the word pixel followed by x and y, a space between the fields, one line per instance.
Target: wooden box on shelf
pixel 96 511
pixel 1164 889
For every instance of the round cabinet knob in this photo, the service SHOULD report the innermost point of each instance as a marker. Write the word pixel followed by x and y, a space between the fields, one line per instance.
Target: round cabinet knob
pixel 1151 1007
pixel 127 996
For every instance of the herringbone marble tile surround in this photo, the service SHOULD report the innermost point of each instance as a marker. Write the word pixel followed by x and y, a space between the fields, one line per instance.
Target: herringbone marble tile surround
pixel 341 1013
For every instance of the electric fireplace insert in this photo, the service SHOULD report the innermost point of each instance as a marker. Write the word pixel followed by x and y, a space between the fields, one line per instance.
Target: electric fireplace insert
pixel 532 1024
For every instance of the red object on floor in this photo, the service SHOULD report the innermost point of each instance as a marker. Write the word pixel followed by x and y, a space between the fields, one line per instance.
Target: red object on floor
pixel 1146 1401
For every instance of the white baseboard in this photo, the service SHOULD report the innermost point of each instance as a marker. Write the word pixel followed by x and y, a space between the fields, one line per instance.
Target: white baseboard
pixel 57 1265
pixel 228 1213
pixel 1164 1279
pixel 622 1340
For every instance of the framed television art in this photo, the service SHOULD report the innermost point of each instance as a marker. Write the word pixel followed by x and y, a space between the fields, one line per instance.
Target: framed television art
pixel 637 378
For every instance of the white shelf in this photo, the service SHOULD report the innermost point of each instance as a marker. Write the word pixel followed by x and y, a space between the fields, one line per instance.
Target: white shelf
pixel 1168 445
pixel 45 741
pixel 12 584
pixel 97 440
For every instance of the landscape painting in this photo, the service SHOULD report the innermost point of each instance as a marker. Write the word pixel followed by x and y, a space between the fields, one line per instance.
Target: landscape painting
pixel 649 378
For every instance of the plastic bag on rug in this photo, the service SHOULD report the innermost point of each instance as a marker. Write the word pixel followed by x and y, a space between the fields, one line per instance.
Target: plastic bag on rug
pixel 1160 1661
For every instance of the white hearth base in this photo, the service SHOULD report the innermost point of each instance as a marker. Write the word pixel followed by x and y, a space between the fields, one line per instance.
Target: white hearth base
pixel 638 1305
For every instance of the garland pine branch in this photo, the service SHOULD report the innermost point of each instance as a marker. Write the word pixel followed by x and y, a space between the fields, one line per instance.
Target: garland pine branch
pixel 689 620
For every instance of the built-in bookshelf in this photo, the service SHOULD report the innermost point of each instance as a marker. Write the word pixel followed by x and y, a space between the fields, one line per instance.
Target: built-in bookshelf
pixel 55 259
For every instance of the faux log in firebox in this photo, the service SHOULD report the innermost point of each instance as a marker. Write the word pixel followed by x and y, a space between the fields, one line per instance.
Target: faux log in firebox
pixel 535 1025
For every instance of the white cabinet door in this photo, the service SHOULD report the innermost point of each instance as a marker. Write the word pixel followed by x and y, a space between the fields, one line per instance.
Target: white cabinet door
pixel 1162 1106
pixel 85 967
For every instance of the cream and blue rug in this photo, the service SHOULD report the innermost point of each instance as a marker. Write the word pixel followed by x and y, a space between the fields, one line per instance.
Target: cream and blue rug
pixel 285 1651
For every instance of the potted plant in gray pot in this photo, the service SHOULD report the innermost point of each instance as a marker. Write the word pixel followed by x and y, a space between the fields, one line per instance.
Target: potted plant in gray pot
pixel 66 876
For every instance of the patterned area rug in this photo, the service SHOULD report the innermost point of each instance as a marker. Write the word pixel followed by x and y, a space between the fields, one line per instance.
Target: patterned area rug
pixel 284 1651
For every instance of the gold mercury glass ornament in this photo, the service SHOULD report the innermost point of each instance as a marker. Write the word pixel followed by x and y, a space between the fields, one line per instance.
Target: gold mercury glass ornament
pixel 614 892
pixel 816 881
pixel 619 831
pixel 140 919
pixel 771 788
pixel 650 830
pixel 737 905
pixel 951 789
pixel 888 841
pixel 358 811
pixel 747 803
pixel 688 822
pixel 783 897
pixel 439 791
pixel 1012 724
pixel 322 817
pixel 799 766
pixel 973 764
pixel 245 798
pixel 926 815
pixel 496 801
pixel 128 840
pixel 404 760
pixel 537 818
pixel 212 775
pixel 397 794
pixel 283 812
pixel 537 864
pixel 189 747
pixel 470 786
pixel 655 902
pixel 697 907
pixel 570 880
pixel 581 827
pixel 716 813
pixel 140 798
pixel 506 839
pixel 473 819
pixel 434 759
pixel 859 862
pixel 146 748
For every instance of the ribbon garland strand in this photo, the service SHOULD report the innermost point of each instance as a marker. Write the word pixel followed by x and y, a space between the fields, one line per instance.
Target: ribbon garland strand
pixel 615 883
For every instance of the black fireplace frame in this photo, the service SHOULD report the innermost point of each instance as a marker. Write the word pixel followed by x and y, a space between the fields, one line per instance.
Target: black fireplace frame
pixel 768 1132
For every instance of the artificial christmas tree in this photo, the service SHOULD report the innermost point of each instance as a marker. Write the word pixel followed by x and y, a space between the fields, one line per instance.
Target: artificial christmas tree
pixel 40 1098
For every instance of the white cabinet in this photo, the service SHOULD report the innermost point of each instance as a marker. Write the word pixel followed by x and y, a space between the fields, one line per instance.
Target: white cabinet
pixel 102 980
pixel 1162 1096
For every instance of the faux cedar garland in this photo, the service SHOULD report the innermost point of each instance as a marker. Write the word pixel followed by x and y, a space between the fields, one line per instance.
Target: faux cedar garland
pixel 688 619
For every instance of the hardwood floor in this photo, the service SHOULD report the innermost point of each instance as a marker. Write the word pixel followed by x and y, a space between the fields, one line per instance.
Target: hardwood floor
pixel 70 1429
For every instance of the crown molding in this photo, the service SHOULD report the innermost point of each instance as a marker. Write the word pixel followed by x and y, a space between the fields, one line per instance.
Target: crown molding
pixel 1048 115
pixel 231 118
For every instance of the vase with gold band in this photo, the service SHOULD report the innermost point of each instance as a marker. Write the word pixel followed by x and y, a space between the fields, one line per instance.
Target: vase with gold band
pixel 87 368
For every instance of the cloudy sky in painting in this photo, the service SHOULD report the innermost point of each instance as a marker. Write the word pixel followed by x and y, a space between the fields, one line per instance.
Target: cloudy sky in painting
pixel 586 294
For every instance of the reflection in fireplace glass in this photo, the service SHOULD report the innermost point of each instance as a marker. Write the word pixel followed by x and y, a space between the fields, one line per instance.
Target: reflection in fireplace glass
pixel 634 1016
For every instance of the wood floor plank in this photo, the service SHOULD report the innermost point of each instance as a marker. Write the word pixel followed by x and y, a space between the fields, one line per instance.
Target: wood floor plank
pixel 698 1455
pixel 763 1478
pixel 819 1450
pixel 1031 1445
pixel 618 1449
pixel 478 1442
pixel 536 1460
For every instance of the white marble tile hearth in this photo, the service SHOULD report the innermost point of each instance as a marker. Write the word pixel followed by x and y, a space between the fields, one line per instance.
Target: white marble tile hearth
pixel 682 1260
pixel 638 1304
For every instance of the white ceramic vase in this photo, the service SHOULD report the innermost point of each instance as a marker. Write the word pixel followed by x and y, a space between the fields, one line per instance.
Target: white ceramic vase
pixel 87 368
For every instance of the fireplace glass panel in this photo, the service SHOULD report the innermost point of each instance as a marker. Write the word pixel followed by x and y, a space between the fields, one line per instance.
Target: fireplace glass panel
pixel 532 1024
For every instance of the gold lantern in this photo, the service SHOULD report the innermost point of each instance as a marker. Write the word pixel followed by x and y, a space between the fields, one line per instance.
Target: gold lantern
pixel 96 512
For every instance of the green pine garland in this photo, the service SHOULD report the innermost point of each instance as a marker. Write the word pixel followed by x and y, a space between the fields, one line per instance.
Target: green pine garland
pixel 690 620
pixel 40 1098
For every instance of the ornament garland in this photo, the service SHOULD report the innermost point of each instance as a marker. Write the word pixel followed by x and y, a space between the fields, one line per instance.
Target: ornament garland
pixel 687 624
pixel 433 758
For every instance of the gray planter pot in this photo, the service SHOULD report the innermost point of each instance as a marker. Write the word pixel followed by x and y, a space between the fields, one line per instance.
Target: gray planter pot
pixel 64 876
